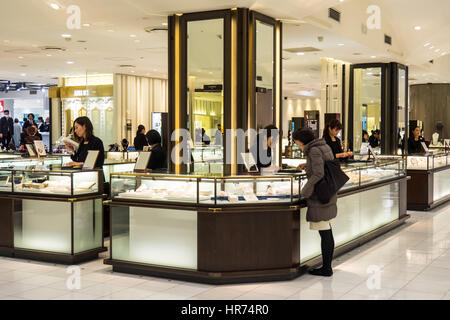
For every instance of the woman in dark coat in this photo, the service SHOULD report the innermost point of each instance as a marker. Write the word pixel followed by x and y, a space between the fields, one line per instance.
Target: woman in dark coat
pixel 140 141
pixel 318 215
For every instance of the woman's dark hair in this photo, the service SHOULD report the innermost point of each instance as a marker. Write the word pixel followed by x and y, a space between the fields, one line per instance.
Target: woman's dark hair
pixel 31 131
pixel 153 137
pixel 30 114
pixel 16 120
pixel 84 121
pixel 333 124
pixel 376 131
pixel 41 119
pixel 364 133
pixel 304 135
pixel 139 129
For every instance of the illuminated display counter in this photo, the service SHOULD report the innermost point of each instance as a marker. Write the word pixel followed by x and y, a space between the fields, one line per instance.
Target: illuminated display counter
pixel 217 229
pixel 51 215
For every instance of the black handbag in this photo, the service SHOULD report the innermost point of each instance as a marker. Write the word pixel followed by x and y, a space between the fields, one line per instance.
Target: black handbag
pixel 333 180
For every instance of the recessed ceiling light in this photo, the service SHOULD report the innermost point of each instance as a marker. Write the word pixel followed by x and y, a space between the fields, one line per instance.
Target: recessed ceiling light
pixel 54 6
pixel 48 55
pixel 20 57
pixel 86 24
pixel 431 47
pixel 373 57
pixel 300 53
pixel 340 44
pixel 164 23
pixel 417 28
pixel 426 44
pixel 23 74
pixel 65 35
pixel 70 62
pixel 132 71
pixel 132 35
pixel 443 53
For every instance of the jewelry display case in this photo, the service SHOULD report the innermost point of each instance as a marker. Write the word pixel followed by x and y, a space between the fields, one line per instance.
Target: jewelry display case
pixel 216 229
pixel 51 215
pixel 207 159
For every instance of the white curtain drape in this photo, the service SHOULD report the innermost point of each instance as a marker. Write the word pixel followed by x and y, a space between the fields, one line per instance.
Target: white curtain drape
pixel 135 99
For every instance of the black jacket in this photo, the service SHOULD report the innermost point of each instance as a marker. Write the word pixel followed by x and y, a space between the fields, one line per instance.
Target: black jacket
pixel 94 143
pixel 7 126
pixel 27 124
pixel 415 146
pixel 335 146
pixel 140 142
pixel 374 142
pixel 157 158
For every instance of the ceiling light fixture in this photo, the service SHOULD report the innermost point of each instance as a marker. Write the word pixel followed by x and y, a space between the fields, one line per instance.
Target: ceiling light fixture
pixel 132 35
pixel 417 28
pixel 300 53
pixel 20 57
pixel 373 57
pixel 426 44
pixel 23 74
pixel 48 55
pixel 65 35
pixel 86 24
pixel 70 62
pixel 340 44
pixel 54 6
pixel 164 23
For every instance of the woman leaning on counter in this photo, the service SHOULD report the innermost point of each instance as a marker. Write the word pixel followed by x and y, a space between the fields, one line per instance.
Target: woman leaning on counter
pixel 330 134
pixel 85 132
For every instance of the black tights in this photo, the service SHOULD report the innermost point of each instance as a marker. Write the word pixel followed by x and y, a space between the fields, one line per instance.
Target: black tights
pixel 327 245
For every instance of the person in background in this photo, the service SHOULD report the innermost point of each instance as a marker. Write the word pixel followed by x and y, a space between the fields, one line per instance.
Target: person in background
pixel 205 138
pixel 31 135
pixel 318 215
pixel 85 131
pixel 6 129
pixel 29 122
pixel 365 136
pixel 375 138
pixel 140 141
pixel 218 136
pixel 158 156
pixel 37 132
pixel 261 151
pixel 330 134
pixel 17 132
pixel 47 124
pixel 414 141
pixel 40 123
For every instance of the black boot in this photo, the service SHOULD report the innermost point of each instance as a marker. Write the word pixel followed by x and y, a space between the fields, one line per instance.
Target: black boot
pixel 327 246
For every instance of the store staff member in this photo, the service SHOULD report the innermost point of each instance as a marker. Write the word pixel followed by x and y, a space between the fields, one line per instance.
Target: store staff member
pixel 414 142
pixel 330 134
pixel 140 141
pixel 261 154
pixel 158 156
pixel 84 130
pixel 375 138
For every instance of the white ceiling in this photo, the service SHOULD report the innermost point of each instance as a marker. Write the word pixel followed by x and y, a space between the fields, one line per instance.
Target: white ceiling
pixel 28 25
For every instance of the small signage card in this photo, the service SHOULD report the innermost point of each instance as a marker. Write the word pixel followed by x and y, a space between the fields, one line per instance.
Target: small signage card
pixel 91 159
pixel 249 162
pixel 142 162
pixel 424 146
pixel 40 148
pixel 31 150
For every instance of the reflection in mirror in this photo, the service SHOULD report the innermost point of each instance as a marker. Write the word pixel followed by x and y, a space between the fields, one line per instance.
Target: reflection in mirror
pixel 264 74
pixel 366 107
pixel 401 105
pixel 205 60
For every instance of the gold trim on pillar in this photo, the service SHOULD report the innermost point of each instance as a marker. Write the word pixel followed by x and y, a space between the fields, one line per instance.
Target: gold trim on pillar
pixel 177 93
pixel 234 36
pixel 278 101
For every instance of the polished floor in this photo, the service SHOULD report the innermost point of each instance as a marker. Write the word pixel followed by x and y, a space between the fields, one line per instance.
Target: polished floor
pixel 410 262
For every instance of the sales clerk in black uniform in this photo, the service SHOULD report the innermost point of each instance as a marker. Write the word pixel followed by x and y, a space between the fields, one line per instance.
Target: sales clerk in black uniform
pixel 414 142
pixel 330 134
pixel 84 130
pixel 375 138
pixel 158 160
pixel 140 141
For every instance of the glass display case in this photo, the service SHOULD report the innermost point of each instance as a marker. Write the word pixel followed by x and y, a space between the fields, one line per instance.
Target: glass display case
pixel 239 190
pixel 428 161
pixel 52 182
pixel 207 159
pixel 120 155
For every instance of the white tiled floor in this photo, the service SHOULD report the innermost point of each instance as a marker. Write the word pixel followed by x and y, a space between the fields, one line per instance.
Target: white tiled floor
pixel 414 260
